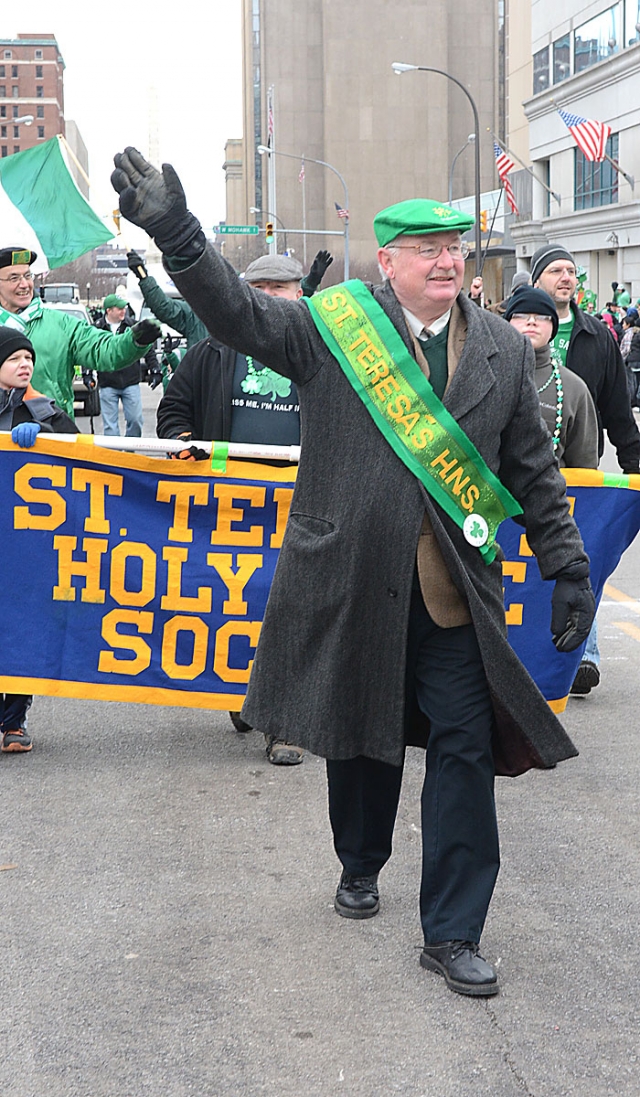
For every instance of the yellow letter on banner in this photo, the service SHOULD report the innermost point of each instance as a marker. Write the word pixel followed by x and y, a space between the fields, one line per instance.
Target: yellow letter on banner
pixel 282 498
pixel 227 494
pixel 200 631
pixel 221 657
pixel 22 516
pixel 117 589
pixel 174 599
pixel 107 662
pixel 183 493
pixel 93 547
pixel 99 483
pixel 235 581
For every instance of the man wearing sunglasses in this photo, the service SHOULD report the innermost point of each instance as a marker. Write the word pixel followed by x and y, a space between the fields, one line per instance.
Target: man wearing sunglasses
pixel 61 341
pixel 385 624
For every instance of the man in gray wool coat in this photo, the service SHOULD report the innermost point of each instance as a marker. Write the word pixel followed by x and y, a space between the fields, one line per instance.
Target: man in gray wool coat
pixel 385 625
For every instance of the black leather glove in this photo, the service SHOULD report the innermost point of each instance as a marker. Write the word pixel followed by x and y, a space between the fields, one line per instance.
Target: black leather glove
pixel 146 332
pixel 191 453
pixel 89 379
pixel 318 269
pixel 632 470
pixel 135 263
pixel 156 203
pixel 154 378
pixel 573 607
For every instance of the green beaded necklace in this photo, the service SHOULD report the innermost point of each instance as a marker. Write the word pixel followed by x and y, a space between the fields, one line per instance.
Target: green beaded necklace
pixel 555 376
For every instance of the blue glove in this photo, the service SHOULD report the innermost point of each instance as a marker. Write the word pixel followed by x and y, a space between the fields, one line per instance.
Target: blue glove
pixel 25 434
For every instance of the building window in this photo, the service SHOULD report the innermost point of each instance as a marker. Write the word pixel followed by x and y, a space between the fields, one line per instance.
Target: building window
pixel 2 70
pixel 38 55
pixel 14 92
pixel 40 131
pixel 16 148
pixel 598 39
pixel 3 91
pixel 38 72
pixel 16 131
pixel 3 112
pixel 4 151
pixel 15 112
pixel 39 91
pixel 596 183
pixel 3 131
pixel 14 72
pixel 541 70
pixel 561 58
pixel 8 55
pixel 631 22
pixel 40 111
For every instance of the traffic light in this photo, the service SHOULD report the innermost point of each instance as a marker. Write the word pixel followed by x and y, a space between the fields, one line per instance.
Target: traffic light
pixel 483 220
pixel 268 232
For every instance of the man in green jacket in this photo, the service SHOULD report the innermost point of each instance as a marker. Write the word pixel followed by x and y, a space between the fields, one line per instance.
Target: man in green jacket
pixel 181 317
pixel 61 341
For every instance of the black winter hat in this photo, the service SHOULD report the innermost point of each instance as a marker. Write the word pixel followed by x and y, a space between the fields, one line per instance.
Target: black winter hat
pixel 530 300
pixel 12 340
pixel 545 256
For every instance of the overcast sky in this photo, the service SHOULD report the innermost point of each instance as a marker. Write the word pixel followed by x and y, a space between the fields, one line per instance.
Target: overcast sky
pixel 121 58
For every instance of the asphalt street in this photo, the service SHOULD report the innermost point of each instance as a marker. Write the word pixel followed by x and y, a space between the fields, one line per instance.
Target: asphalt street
pixel 168 922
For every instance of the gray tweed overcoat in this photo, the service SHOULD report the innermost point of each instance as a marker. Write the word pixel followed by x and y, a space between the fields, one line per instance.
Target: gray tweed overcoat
pixel 329 671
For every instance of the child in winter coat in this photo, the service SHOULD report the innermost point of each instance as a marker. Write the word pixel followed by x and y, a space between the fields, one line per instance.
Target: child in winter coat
pixel 25 413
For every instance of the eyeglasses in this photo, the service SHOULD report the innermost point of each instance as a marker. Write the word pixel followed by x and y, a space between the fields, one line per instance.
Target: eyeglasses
pixel 13 279
pixel 433 251
pixel 525 317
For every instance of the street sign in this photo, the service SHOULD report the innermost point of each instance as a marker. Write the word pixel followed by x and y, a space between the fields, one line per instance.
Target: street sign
pixel 236 230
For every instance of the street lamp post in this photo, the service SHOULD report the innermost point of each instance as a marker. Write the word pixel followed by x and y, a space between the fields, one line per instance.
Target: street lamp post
pixel 470 139
pixel 399 67
pixel 264 150
pixel 268 213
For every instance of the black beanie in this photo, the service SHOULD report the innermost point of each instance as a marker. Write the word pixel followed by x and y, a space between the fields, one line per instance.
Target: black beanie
pixel 544 256
pixel 530 300
pixel 12 340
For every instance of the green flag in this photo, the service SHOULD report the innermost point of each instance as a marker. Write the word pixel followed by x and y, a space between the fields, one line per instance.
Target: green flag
pixel 38 185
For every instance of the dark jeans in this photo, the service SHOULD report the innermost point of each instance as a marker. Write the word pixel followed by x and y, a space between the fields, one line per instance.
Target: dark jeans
pixel 460 853
pixel 13 710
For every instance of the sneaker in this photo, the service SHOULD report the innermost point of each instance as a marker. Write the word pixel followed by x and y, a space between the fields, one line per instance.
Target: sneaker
pixel 357 896
pixel 280 753
pixel 238 723
pixel 464 970
pixel 15 742
pixel 587 678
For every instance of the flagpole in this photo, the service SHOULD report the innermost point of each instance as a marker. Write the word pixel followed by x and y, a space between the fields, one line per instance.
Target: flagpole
pixel 493 221
pixel 169 445
pixel 62 139
pixel 304 214
pixel 529 170
pixel 615 165
pixel 273 246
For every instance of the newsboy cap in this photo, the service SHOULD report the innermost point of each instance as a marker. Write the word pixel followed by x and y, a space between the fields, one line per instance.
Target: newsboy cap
pixel 112 301
pixel 274 268
pixel 545 256
pixel 12 257
pixel 417 216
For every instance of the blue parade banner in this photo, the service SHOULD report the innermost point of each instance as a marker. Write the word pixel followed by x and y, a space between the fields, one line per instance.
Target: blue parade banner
pixel 135 579
pixel 130 578
pixel 606 508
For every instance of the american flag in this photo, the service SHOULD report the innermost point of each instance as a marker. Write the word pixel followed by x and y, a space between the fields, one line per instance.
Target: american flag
pixel 341 211
pixel 590 137
pixel 270 123
pixel 504 164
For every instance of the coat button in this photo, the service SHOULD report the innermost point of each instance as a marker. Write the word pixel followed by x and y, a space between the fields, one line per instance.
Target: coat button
pixel 392 593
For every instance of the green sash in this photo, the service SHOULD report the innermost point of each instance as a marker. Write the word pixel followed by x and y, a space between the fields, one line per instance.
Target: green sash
pixel 406 410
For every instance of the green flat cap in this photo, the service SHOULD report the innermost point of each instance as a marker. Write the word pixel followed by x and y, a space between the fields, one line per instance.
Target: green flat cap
pixel 417 216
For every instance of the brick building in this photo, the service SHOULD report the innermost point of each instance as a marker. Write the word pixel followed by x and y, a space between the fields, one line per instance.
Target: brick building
pixel 31 83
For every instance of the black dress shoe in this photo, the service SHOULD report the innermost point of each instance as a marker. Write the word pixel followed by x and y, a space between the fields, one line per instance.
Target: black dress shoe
pixel 357 896
pixel 462 966
pixel 587 678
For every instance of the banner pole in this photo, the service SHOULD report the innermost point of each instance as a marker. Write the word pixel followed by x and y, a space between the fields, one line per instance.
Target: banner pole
pixel 172 445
